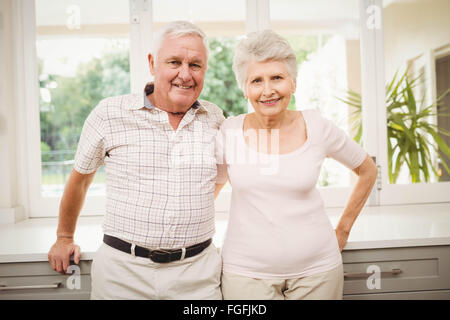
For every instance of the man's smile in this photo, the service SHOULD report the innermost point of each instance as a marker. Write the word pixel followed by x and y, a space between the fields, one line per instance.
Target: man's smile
pixel 181 86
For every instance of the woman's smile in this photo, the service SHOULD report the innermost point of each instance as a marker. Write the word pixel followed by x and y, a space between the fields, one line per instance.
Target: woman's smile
pixel 270 102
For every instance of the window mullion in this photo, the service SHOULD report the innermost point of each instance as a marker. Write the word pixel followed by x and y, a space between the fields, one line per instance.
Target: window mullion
pixel 373 90
pixel 258 15
pixel 141 35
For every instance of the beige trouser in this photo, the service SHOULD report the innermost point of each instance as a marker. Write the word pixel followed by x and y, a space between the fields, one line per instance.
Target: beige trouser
pixel 119 275
pixel 322 286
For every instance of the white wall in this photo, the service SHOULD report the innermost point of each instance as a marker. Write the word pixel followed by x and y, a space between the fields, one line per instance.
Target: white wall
pixel 413 27
pixel 11 208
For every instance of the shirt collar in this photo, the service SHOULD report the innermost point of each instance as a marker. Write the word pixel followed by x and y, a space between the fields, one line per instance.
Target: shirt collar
pixel 147 104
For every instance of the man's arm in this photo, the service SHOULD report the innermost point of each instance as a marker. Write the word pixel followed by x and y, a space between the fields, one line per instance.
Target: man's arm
pixel 69 210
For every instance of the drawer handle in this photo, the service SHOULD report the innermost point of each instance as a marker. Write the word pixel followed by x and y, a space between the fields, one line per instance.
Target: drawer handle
pixel 39 286
pixel 366 275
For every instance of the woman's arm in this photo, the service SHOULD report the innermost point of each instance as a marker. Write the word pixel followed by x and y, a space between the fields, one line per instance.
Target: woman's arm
pixel 367 174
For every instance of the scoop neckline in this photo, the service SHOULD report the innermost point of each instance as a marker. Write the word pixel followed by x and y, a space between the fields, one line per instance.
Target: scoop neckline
pixel 294 152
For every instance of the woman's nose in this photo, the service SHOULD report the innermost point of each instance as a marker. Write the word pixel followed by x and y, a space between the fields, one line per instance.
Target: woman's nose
pixel 267 89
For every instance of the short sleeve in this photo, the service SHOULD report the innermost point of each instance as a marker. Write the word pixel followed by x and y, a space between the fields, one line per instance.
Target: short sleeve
pixel 91 147
pixel 339 146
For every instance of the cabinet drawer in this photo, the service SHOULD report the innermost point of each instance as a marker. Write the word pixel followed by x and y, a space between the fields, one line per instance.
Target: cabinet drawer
pixel 39 287
pixel 402 269
pixel 37 280
pixel 415 295
pixel 40 268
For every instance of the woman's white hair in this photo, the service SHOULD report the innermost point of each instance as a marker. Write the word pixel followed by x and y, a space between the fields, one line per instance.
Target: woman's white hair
pixel 262 46
pixel 177 29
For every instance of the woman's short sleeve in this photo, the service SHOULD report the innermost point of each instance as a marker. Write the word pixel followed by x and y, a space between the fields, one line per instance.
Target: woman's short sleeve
pixel 339 146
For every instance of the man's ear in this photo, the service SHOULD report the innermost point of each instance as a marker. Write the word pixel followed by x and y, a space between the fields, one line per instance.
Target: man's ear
pixel 151 63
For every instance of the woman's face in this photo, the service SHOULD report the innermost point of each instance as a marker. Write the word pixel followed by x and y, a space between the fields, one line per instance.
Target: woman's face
pixel 269 87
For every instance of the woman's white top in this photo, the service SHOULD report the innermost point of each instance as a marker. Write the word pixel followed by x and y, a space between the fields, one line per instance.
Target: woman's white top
pixel 278 227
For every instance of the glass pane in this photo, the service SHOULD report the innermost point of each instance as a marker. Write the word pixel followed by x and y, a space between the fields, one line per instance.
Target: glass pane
pixel 325 36
pixel 223 24
pixel 417 70
pixel 83 57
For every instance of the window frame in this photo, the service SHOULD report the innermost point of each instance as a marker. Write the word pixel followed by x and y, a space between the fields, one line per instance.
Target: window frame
pixel 257 18
pixel 39 206
pixel 389 194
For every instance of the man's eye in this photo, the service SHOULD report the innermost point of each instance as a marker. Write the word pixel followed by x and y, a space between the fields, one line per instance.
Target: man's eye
pixel 277 77
pixel 174 62
pixel 195 66
pixel 256 80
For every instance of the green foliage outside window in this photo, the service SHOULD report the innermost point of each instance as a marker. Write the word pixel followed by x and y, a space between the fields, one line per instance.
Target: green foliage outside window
pixel 73 98
pixel 220 84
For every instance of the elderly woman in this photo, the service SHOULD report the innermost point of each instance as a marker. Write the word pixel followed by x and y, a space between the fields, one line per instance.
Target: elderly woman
pixel 280 243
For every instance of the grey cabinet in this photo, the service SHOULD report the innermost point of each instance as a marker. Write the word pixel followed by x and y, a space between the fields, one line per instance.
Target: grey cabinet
pixel 37 280
pixel 400 273
pixel 405 273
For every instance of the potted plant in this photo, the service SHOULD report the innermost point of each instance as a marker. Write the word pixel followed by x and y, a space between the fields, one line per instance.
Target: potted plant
pixel 408 130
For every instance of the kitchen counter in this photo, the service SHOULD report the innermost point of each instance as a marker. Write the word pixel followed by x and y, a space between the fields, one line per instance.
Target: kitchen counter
pixel 376 227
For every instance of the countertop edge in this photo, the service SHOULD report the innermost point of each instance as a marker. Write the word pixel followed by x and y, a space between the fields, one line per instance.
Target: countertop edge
pixel 357 245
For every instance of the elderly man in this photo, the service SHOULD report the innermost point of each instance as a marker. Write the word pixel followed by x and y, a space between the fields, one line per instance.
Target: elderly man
pixel 158 152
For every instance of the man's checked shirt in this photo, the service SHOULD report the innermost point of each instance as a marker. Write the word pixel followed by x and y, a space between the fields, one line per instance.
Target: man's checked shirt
pixel 160 181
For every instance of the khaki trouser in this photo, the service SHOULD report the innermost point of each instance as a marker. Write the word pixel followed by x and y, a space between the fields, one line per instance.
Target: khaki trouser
pixel 322 286
pixel 119 275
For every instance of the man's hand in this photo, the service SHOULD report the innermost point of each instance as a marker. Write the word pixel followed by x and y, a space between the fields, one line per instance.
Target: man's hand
pixel 69 210
pixel 60 253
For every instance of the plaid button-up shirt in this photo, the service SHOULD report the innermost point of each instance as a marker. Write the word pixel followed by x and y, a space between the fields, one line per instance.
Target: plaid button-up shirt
pixel 160 181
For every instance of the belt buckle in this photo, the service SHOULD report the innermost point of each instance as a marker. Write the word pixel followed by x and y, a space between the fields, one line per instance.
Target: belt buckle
pixel 154 253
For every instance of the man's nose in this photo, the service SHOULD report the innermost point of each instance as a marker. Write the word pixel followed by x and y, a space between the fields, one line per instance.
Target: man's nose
pixel 185 73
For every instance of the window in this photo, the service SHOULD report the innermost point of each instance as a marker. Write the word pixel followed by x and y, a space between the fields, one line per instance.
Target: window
pixel 416 46
pixel 325 37
pixel 223 28
pixel 77 52
pixel 82 57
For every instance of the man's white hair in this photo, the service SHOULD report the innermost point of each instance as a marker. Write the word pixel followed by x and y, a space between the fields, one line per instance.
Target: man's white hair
pixel 262 46
pixel 177 29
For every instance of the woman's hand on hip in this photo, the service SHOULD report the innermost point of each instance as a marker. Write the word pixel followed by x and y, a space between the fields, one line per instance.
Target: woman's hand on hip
pixel 342 237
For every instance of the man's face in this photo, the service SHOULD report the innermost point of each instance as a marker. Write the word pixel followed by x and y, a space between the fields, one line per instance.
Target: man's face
pixel 178 72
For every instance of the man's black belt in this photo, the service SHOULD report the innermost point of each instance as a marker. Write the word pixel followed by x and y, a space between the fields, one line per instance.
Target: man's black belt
pixel 160 255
